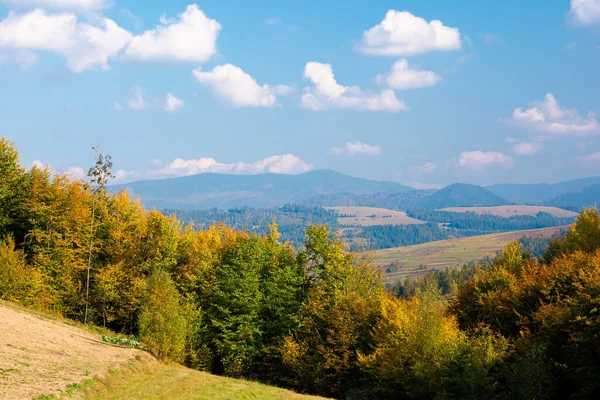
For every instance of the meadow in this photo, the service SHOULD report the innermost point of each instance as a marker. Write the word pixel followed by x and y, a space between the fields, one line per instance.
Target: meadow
pixel 402 262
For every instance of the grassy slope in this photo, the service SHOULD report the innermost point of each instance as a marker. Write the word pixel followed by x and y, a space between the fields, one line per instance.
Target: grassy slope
pixel 152 380
pixel 447 253
pixel 47 357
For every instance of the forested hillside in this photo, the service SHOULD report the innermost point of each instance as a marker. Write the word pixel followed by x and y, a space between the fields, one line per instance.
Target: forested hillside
pixel 318 320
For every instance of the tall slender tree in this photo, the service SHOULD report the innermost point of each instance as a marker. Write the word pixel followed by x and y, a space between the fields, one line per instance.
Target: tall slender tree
pixel 98 176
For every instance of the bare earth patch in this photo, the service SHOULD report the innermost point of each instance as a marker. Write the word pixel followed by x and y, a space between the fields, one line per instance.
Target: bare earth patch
pixel 511 211
pixel 371 216
pixel 39 356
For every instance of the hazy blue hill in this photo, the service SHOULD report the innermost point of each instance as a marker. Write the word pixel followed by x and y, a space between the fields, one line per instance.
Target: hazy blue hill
pixel 461 195
pixel 587 197
pixel 542 192
pixel 224 191
pixel 391 200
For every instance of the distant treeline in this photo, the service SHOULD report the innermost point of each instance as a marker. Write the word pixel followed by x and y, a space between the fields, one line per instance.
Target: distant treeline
pixel 387 236
pixel 471 223
pixel 292 219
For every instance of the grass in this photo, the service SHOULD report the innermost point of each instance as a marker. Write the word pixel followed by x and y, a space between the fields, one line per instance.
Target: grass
pixel 370 216
pixel 144 378
pixel 403 262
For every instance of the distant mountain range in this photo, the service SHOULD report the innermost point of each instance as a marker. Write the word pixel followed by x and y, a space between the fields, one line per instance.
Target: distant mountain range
pixel 540 193
pixel 331 188
pixel 587 197
pixel 208 190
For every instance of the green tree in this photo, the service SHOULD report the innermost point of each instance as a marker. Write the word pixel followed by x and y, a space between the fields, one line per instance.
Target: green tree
pixel 162 323
pixel 11 193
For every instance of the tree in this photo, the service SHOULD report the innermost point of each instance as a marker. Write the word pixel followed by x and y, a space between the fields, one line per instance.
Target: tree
pixel 99 175
pixel 11 180
pixel 162 322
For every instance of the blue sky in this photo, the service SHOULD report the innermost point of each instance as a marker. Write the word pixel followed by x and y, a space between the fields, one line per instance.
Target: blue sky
pixel 494 91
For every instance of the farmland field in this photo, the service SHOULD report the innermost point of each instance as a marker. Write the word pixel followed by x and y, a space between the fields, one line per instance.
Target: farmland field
pixel 510 211
pixel 370 216
pixel 402 262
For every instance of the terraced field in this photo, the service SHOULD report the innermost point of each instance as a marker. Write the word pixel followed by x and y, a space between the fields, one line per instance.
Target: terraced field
pixel 402 262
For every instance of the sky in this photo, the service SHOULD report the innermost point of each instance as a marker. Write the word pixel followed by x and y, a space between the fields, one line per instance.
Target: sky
pixel 421 92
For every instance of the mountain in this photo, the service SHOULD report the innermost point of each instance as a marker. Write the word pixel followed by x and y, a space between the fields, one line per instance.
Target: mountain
pixel 585 198
pixel 391 200
pixel 224 191
pixel 542 192
pixel 461 195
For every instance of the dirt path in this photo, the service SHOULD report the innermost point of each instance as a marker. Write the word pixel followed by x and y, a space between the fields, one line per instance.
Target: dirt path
pixel 40 356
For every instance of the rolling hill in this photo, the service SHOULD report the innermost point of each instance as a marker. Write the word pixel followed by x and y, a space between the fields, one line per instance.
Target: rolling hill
pixel 401 201
pixel 402 262
pixel 585 198
pixel 461 195
pixel 209 190
pixel 541 193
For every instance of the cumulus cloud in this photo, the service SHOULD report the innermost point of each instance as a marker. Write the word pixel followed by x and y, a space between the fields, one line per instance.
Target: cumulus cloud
pixel 526 149
pixel 75 5
pixel 327 93
pixel 280 164
pixel 84 46
pixel 402 33
pixel 236 87
pixel 478 160
pixel 356 148
pixel 173 104
pixel 192 37
pixel 402 77
pixel 547 116
pixel 71 172
pixel 585 12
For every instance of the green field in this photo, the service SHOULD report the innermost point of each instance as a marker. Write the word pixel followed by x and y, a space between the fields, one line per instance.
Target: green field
pixel 403 262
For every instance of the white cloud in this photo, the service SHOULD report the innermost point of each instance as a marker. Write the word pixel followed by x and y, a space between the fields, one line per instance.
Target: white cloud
pixel 75 5
pixel 281 164
pixel 283 90
pixel 173 104
pixel 426 168
pixel 84 46
pixel 402 77
pixel 585 12
pixel 236 87
pixel 328 94
pixel 402 33
pixel 190 38
pixel 356 148
pixel 547 116
pixel 24 58
pixel 592 158
pixel 478 160
pixel 526 149
pixel 135 100
pixel 157 162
